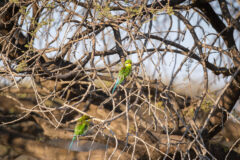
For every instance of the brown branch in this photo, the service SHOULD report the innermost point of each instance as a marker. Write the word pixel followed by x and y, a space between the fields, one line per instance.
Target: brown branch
pixel 118 41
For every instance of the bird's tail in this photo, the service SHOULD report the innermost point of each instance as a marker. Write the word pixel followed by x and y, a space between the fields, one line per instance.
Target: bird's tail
pixel 70 146
pixel 115 86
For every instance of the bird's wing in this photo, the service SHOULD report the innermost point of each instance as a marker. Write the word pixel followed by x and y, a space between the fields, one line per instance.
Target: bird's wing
pixel 82 128
pixel 122 74
pixel 128 70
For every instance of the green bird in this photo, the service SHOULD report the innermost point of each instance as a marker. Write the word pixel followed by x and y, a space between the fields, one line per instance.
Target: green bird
pixel 80 128
pixel 123 73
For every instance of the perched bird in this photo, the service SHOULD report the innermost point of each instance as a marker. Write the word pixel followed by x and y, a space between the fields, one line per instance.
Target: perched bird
pixel 123 73
pixel 80 128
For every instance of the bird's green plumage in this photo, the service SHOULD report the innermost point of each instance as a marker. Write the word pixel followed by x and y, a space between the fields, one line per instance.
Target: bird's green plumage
pixel 82 125
pixel 123 73
pixel 80 128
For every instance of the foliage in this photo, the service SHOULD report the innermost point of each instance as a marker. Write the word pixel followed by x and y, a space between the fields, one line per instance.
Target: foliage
pixel 69 53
